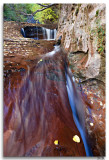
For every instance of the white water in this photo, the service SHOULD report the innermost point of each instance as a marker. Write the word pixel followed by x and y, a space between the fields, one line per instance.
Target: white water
pixel 55 31
pixel 50 33
pixel 44 32
pixel 56 49
pixel 23 32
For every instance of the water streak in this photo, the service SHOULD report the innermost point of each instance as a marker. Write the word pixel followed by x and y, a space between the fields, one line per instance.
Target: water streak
pixel 56 49
pixel 77 109
pixel 51 34
pixel 23 32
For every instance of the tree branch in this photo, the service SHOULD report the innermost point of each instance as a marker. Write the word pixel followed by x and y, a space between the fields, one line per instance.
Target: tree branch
pixel 48 6
pixel 42 5
pixel 32 14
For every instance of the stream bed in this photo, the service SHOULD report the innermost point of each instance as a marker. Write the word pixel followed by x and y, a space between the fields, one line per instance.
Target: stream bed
pixel 36 107
pixel 44 109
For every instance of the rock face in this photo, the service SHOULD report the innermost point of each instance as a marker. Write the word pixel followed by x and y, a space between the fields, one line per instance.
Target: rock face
pixel 82 27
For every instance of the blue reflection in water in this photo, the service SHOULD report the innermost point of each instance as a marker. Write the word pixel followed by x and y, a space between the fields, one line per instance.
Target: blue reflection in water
pixel 76 112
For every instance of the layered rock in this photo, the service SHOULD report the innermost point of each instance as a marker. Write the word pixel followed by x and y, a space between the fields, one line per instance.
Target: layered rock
pixel 82 27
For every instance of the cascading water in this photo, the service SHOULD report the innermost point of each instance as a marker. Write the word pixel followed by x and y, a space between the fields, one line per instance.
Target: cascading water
pixel 56 49
pixel 55 33
pixel 76 106
pixel 51 33
pixel 48 34
pixel 44 32
pixel 37 110
pixel 38 33
pixel 23 32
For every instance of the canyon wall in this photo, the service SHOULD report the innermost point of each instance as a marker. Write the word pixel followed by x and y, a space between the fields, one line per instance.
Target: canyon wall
pixel 82 27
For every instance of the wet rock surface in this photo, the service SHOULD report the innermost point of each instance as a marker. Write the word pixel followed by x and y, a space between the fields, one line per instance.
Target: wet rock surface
pixel 36 106
pixel 33 123
pixel 93 95
pixel 37 112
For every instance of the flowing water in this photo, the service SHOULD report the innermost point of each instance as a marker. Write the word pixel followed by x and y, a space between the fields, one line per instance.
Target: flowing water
pixel 77 108
pixel 41 105
pixel 39 33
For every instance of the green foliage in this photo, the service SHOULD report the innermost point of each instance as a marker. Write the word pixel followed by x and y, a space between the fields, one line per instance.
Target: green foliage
pixel 48 15
pixel 18 12
pixel 98 32
pixel 100 49
pixel 101 39
pixel 14 12
pixel 97 12
pixel 77 10
pixel 79 5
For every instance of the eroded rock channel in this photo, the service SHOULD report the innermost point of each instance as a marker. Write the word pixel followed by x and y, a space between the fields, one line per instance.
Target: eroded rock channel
pixel 44 108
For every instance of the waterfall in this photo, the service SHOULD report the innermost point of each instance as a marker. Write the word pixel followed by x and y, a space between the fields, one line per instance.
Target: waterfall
pixel 44 32
pixel 77 108
pixel 48 34
pixel 38 33
pixel 51 33
pixel 23 32
pixel 55 33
